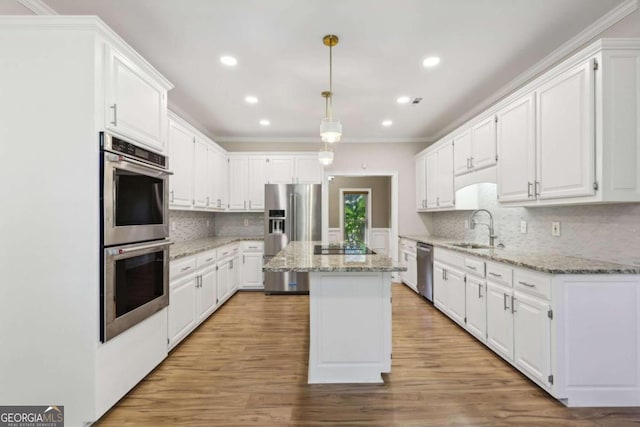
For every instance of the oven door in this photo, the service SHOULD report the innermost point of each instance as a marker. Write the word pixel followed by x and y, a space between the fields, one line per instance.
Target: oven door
pixel 136 285
pixel 135 197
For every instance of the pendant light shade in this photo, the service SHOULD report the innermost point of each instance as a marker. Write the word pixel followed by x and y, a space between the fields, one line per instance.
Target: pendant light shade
pixel 325 157
pixel 330 130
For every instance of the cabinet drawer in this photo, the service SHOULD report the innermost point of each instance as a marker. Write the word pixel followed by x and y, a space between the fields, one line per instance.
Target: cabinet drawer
pixel 474 266
pixel 252 246
pixel 228 251
pixel 449 257
pixel 182 267
pixel 532 282
pixel 207 258
pixel 500 273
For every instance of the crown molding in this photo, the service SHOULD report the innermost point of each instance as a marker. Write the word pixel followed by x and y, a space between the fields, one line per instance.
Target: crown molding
pixel 38 7
pixel 316 140
pixel 612 17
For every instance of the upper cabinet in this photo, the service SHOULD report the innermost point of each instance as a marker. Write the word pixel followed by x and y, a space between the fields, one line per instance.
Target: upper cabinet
pixel 280 170
pixel 475 148
pixel 199 167
pixel 136 103
pixel 293 169
pixel 308 169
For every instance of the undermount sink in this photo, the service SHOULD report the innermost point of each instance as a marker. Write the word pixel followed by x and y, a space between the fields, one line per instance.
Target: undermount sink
pixel 469 245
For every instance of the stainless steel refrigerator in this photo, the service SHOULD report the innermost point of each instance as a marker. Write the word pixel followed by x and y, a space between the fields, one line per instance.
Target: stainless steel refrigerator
pixel 292 212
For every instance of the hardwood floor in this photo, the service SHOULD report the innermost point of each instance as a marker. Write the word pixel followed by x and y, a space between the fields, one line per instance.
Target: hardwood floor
pixel 247 366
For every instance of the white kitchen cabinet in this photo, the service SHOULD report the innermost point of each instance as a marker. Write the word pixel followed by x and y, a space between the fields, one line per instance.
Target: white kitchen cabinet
pixel 199 169
pixel 136 103
pixel 247 176
pixel 252 276
pixel 449 291
pixel 516 172
pixel 532 336
pixel 476 309
pixel 444 183
pixel 201 184
pixel 422 179
pixel 308 170
pixel 181 156
pixel 207 288
pixel 462 152
pixel 408 258
pixel 439 288
pixel 565 134
pixel 280 170
pixel 224 280
pixel 228 272
pixel 500 319
pixel 182 308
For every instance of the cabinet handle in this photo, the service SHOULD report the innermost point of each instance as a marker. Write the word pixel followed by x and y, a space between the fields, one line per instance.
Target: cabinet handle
pixel 471 160
pixel 171 194
pixel 209 260
pixel 513 304
pixel 245 204
pixel 185 268
pixel 231 265
pixel 479 290
pixel 506 307
pixel 243 259
pixel 114 107
pixel 446 274
pixel 219 203
pixel 471 267
pixel 495 274
pixel 529 189
pixel 528 285
pixel 438 201
pixel 249 204
pixel 537 188
pixel 468 164
pixel 207 200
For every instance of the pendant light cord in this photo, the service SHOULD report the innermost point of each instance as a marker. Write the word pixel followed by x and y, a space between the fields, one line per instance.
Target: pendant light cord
pixel 330 79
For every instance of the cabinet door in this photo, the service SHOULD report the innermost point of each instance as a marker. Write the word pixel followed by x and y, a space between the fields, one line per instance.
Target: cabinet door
pixel 212 190
pixel 308 170
pixel 136 104
pixel 256 181
pixel 422 180
pixel 280 170
pixel 238 183
pixel 445 176
pixel 412 272
pixel 499 320
pixel 223 282
pixel 532 335
pixel 517 150
pixel 432 179
pixel 476 307
pixel 404 261
pixel 207 293
pixel 181 164
pixel 483 143
pixel 462 153
pixel 182 310
pixel 235 273
pixel 456 300
pixel 221 180
pixel 565 134
pixel 440 296
pixel 200 184
pixel 252 271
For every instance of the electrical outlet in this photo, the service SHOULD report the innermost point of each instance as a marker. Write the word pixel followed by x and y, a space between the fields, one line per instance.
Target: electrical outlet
pixel 555 228
pixel 246 222
pixel 466 224
pixel 523 227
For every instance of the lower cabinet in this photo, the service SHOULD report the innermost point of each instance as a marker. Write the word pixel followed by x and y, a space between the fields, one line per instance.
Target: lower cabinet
pixel 251 276
pixel 476 298
pixel 408 258
pixel 207 290
pixel 500 320
pixel 449 291
pixel 182 308
pixel 532 336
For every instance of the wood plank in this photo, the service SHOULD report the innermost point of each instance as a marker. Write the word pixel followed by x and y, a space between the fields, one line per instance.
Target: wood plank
pixel 247 365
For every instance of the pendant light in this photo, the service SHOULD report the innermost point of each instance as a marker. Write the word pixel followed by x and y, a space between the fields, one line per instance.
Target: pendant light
pixel 330 127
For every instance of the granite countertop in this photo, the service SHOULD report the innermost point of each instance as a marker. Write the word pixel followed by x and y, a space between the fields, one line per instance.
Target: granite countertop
pixel 545 262
pixel 298 256
pixel 191 247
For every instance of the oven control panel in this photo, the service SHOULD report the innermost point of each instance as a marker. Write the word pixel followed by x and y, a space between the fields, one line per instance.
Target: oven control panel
pixel 120 146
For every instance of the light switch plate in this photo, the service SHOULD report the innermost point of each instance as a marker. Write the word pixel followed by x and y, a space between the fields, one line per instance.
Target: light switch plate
pixel 555 228
pixel 523 227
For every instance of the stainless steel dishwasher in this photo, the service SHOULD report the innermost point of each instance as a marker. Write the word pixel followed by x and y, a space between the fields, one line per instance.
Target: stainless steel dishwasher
pixel 425 271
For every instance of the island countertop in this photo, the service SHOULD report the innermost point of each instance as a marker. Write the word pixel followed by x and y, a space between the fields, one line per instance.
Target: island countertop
pixel 299 256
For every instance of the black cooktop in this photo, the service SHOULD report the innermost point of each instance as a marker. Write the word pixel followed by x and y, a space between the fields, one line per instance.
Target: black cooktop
pixel 342 249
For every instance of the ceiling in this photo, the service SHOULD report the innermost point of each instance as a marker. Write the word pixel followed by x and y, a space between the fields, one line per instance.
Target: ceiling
pixel 483 44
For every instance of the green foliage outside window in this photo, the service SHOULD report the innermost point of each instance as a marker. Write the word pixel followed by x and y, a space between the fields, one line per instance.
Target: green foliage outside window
pixel 355 218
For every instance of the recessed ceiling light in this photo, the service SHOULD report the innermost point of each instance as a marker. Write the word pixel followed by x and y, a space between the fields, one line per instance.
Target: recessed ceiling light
pixel 265 122
pixel 431 61
pixel 229 60
pixel 251 99
pixel 387 123
pixel 403 100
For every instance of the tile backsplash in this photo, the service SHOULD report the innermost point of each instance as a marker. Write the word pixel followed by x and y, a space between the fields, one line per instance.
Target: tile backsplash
pixel 190 225
pixel 603 232
pixel 233 224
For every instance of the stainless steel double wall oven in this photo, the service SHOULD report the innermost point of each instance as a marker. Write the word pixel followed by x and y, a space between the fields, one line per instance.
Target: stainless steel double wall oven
pixel 135 247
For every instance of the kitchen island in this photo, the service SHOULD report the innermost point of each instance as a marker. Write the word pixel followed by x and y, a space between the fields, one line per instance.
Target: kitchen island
pixel 350 312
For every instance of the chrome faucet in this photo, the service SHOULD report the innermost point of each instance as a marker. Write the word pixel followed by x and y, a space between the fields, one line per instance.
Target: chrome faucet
pixel 473 223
